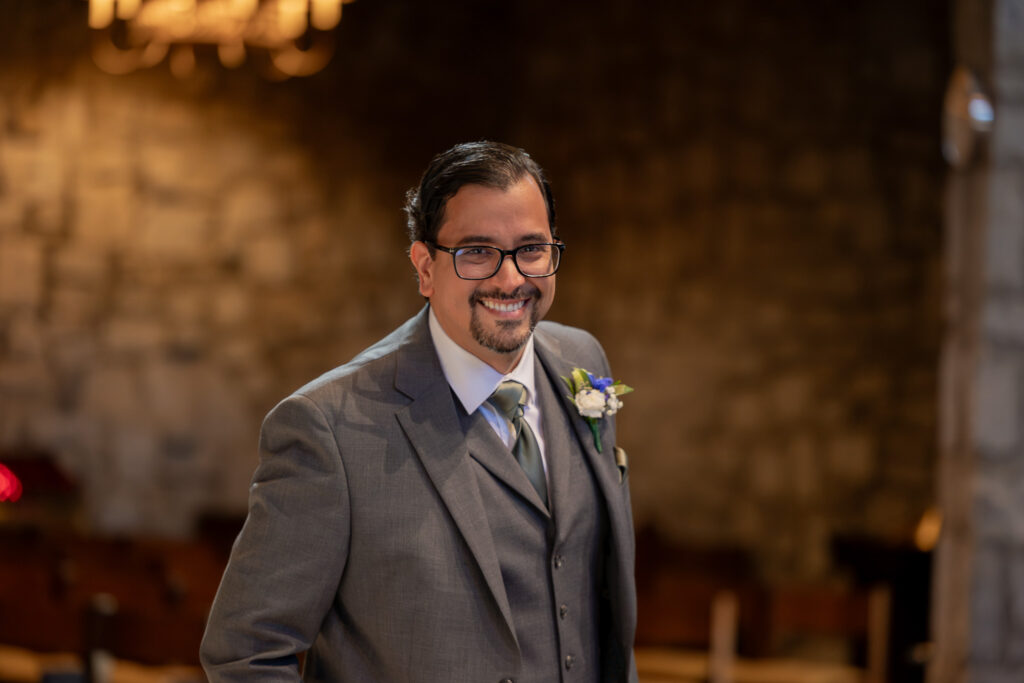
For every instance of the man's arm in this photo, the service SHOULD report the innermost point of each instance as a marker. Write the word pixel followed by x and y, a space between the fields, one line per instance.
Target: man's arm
pixel 288 559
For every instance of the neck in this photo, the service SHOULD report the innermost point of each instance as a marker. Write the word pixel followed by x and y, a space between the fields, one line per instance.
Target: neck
pixel 502 362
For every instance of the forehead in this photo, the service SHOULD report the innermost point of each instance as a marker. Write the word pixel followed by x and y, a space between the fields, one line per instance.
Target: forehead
pixel 482 213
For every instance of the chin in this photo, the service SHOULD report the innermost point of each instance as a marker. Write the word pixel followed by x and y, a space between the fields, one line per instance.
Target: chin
pixel 506 338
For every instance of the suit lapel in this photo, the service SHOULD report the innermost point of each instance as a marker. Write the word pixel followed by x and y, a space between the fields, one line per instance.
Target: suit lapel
pixel 606 472
pixel 556 367
pixel 487 449
pixel 432 425
pixel 556 431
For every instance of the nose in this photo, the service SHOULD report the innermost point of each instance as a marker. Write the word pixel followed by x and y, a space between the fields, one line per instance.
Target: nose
pixel 508 276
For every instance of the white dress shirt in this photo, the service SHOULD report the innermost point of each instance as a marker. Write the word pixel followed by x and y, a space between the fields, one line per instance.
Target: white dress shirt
pixel 473 382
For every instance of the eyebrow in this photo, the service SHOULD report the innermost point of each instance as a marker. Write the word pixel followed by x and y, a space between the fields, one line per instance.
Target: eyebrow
pixel 532 238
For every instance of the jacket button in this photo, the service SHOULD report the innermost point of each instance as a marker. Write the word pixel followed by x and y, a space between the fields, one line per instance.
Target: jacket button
pixel 569 661
pixel 507 680
pixel 563 610
pixel 559 561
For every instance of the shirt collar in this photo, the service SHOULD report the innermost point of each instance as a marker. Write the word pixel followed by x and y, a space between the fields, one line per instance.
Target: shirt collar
pixel 473 380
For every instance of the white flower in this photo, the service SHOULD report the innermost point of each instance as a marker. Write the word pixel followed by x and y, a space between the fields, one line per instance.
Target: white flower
pixel 590 402
pixel 612 403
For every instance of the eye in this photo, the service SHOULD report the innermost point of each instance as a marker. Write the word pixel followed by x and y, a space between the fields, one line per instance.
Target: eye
pixel 533 253
pixel 475 251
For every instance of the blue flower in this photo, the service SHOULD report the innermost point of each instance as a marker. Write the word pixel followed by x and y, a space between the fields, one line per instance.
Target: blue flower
pixel 600 383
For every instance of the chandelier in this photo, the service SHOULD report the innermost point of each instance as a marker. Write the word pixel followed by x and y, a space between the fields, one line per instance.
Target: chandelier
pixel 292 37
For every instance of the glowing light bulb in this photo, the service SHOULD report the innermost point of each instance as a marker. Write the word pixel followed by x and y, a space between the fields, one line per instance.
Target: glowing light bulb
pixel 232 55
pixel 183 61
pixel 291 18
pixel 325 14
pixel 101 13
pixel 126 9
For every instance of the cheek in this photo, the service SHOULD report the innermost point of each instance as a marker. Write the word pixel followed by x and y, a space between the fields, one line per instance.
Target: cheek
pixel 548 292
pixel 549 298
pixel 451 294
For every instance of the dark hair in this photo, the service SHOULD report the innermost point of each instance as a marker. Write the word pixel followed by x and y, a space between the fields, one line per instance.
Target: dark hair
pixel 491 164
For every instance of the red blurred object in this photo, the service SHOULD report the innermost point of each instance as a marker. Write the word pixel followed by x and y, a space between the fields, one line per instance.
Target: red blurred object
pixel 39 474
pixel 10 485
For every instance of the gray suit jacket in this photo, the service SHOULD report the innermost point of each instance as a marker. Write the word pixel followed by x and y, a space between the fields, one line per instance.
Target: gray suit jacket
pixel 367 542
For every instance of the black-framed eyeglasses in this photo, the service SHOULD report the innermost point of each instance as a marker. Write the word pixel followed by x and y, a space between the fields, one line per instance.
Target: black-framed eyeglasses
pixel 478 262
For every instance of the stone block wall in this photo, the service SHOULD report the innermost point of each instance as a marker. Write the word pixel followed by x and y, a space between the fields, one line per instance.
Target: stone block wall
pixel 751 196
pixel 164 279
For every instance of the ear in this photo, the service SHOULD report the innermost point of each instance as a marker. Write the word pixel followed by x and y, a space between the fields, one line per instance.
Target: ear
pixel 423 262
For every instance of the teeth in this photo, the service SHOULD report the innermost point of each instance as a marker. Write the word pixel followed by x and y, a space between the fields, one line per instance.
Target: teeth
pixel 504 308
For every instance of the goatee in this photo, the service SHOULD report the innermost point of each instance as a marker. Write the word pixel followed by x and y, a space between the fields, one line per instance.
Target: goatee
pixel 509 335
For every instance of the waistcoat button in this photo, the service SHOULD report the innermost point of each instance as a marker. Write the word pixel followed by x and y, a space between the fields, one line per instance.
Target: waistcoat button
pixel 569 661
pixel 563 610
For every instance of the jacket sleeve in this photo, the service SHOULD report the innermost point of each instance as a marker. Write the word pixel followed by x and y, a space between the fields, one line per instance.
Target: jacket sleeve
pixel 287 561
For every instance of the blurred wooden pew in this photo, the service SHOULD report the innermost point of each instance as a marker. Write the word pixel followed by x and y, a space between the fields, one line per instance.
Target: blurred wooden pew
pixel 859 616
pixel 21 665
pixel 162 591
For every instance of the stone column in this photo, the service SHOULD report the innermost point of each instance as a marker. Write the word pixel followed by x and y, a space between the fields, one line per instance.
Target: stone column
pixel 978 619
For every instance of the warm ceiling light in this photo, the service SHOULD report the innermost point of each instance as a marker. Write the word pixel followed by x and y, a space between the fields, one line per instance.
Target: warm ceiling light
pixel 135 34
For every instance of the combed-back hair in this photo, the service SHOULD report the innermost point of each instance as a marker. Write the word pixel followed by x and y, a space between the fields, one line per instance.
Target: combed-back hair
pixel 492 164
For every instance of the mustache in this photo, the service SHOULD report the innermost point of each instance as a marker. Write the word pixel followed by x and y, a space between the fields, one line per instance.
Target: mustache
pixel 520 292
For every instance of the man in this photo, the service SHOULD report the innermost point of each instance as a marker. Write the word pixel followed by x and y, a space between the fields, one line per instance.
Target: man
pixel 415 516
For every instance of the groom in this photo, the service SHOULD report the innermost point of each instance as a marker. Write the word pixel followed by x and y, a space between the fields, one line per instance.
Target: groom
pixel 437 509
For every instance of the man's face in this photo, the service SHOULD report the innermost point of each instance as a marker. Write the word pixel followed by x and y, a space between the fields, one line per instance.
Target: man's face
pixel 493 318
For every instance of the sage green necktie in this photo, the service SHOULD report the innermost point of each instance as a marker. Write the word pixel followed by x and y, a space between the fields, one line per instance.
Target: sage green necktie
pixel 508 399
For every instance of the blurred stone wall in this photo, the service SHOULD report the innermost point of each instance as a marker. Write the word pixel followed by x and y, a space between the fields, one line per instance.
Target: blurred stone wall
pixel 168 269
pixel 751 198
pixel 756 235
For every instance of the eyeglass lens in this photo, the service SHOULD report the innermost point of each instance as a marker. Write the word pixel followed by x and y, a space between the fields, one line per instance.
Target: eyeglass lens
pixel 537 260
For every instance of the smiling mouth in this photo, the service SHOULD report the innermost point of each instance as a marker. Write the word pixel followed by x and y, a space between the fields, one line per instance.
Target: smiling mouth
pixel 503 307
pixel 506 303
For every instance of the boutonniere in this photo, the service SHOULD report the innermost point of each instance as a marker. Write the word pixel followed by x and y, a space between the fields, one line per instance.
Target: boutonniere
pixel 595 398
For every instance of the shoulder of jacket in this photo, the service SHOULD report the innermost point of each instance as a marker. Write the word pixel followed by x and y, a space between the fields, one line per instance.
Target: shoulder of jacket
pixel 374 367
pixel 574 345
pixel 567 334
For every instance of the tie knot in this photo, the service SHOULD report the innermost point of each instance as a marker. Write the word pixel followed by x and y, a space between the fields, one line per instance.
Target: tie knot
pixel 508 399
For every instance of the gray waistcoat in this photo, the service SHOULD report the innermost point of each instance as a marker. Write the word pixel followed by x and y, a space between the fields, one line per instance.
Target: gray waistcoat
pixel 551 564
